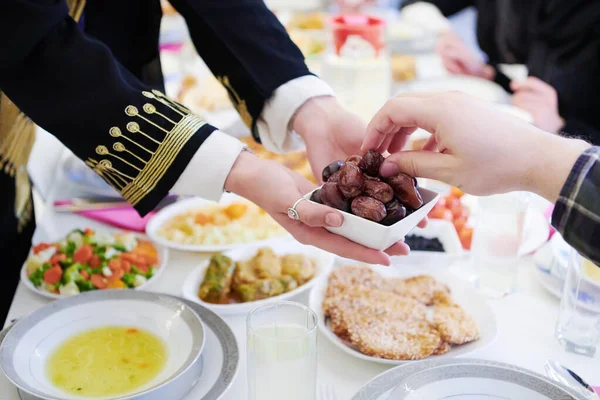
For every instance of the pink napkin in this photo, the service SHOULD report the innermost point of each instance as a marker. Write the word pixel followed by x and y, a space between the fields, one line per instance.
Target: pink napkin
pixel 121 217
pixel 597 389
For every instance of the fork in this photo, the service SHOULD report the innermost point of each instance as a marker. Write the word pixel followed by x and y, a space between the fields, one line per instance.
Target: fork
pixel 327 393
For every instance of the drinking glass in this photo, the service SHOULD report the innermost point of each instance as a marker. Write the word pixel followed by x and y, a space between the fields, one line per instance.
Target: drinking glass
pixel 496 242
pixel 356 64
pixel 578 326
pixel 282 352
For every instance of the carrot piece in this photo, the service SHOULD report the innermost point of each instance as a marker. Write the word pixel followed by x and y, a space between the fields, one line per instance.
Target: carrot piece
pixel 84 274
pixel 53 274
pixel 83 254
pixel 58 257
pixel 99 281
pixel 95 261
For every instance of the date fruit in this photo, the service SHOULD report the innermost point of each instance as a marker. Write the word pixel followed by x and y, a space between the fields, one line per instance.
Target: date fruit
pixel 405 190
pixel 369 208
pixel 373 178
pixel 352 180
pixel 378 190
pixel 371 162
pixel 316 196
pixel 395 212
pixel 331 169
pixel 354 159
pixel 334 178
pixel 332 196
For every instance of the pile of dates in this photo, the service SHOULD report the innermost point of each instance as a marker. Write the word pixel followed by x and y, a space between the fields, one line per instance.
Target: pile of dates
pixel 355 186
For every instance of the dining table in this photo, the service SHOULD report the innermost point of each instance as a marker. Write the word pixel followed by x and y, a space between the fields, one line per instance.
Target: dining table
pixel 525 319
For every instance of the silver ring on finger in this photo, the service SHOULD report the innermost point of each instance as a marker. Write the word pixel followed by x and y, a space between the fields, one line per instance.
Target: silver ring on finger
pixel 292 212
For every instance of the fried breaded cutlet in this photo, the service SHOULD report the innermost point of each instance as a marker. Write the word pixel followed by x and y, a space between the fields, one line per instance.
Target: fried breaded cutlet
pixel 369 307
pixel 396 340
pixel 420 287
pixel 453 323
pixel 351 278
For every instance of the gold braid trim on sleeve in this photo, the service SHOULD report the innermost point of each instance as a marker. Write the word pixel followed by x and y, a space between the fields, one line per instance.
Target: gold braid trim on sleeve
pixel 142 156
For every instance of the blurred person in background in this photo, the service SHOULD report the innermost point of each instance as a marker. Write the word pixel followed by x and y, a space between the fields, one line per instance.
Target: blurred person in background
pixel 90 74
pixel 558 41
pixel 484 151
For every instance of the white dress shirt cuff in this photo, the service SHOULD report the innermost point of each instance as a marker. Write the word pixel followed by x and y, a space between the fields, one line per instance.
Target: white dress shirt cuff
pixel 274 126
pixel 206 173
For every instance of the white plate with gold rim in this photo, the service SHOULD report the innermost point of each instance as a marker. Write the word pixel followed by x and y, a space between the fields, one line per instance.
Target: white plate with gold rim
pixel 28 345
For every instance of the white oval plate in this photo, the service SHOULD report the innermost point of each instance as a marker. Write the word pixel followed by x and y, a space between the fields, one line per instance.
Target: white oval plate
pixel 163 254
pixel 462 292
pixel 27 346
pixel 281 246
pixel 183 206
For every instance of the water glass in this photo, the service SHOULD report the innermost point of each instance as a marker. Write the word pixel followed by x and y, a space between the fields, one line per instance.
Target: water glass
pixel 496 242
pixel 578 326
pixel 282 352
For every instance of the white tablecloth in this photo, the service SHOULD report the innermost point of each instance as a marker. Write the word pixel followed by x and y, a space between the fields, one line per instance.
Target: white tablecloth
pixel 525 320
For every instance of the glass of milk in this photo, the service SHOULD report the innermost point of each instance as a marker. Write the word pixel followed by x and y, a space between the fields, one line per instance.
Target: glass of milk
pixel 578 325
pixel 496 241
pixel 282 352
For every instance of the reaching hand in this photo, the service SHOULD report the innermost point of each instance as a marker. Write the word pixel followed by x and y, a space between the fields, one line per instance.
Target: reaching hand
pixel 275 189
pixel 459 59
pixel 481 150
pixel 540 100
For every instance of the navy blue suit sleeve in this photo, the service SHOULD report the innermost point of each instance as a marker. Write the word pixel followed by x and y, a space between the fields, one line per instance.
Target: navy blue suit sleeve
pixel 137 139
pixel 246 48
pixel 447 7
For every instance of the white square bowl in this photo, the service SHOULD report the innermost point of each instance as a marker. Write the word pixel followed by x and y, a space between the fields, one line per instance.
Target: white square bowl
pixel 380 237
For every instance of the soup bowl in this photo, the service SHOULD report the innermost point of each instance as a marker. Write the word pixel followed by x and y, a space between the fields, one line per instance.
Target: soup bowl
pixel 28 345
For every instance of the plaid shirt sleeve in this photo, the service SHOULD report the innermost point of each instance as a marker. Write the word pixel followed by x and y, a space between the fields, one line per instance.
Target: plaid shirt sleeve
pixel 577 212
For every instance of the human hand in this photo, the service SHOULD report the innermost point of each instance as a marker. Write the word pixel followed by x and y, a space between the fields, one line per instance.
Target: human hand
pixel 482 150
pixel 540 100
pixel 275 188
pixel 459 59
pixel 329 132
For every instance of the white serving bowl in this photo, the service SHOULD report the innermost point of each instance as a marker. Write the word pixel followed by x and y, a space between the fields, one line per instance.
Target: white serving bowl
pixel 163 258
pixel 324 263
pixel 377 236
pixel 29 343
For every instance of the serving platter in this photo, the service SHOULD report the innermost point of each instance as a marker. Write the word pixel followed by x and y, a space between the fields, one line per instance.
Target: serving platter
pixel 462 379
pixel 462 293
pixel 181 207
pixel 324 264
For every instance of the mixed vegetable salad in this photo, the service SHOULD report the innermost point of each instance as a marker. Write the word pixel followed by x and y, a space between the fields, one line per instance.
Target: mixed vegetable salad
pixel 87 260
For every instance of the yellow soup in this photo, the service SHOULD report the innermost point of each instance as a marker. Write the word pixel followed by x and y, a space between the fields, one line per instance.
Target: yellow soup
pixel 109 361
